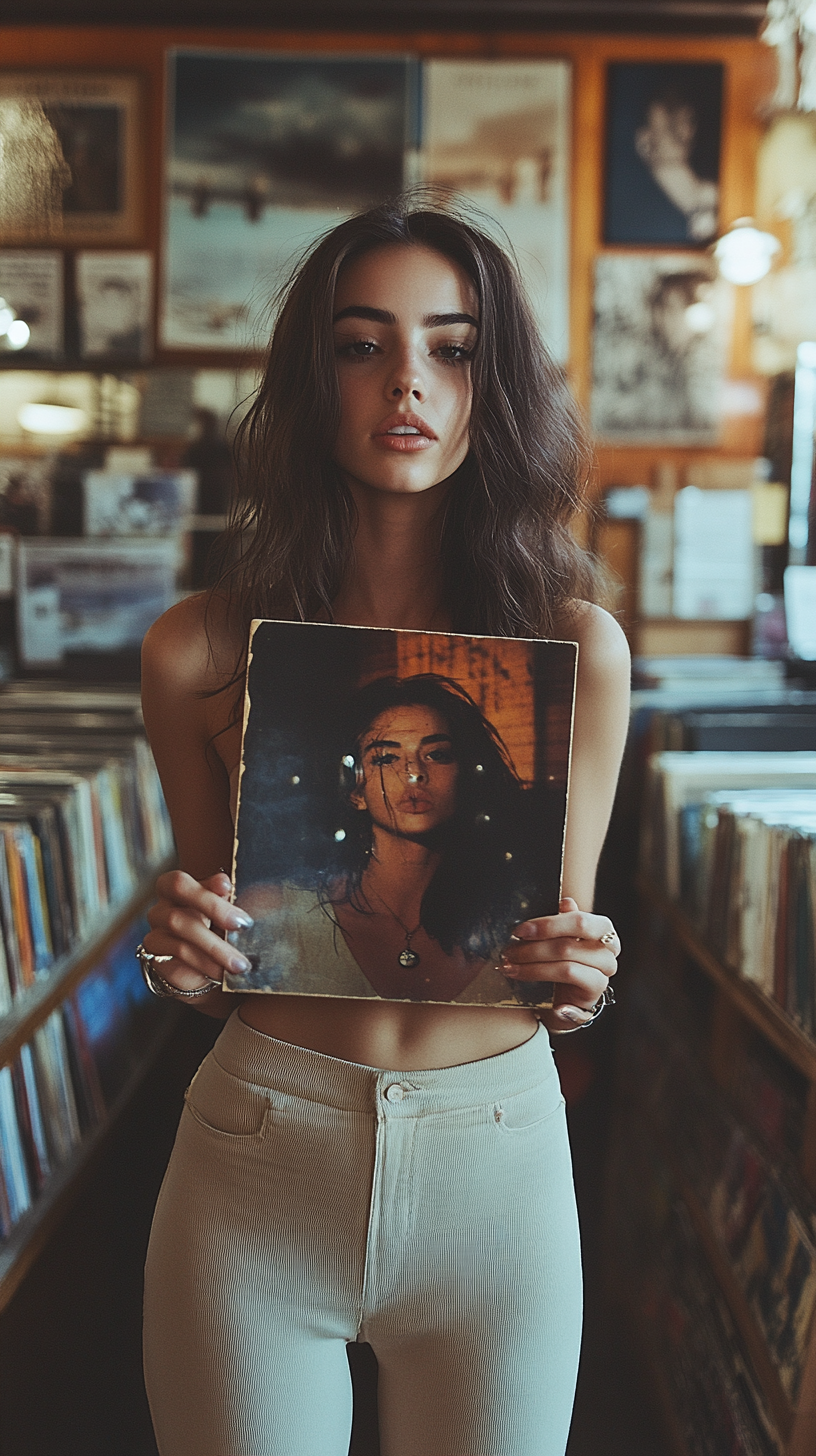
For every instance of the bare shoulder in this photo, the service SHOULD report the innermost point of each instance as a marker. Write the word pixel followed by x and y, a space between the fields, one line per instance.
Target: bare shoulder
pixel 603 651
pixel 191 648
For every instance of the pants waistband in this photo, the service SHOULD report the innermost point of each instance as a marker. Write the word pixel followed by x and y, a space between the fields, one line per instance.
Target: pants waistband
pixel 297 1071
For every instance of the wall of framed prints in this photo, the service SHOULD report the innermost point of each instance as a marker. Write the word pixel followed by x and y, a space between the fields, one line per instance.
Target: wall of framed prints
pixel 234 147
pixel 611 162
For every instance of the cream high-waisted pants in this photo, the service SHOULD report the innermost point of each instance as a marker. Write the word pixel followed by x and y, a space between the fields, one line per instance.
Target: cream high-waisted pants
pixel 310 1201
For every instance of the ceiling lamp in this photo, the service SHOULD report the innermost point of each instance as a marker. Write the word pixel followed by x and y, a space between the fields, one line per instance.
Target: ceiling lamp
pixel 14 331
pixel 744 254
pixel 52 419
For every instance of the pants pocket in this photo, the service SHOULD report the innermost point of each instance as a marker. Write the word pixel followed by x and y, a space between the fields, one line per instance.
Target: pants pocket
pixel 227 1106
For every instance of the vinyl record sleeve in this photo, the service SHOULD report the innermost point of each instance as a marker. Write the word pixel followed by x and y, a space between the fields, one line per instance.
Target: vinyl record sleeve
pixel 402 805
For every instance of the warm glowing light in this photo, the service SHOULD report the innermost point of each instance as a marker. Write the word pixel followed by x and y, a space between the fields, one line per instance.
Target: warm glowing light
pixel 17 334
pixel 744 255
pixel 700 317
pixel 52 419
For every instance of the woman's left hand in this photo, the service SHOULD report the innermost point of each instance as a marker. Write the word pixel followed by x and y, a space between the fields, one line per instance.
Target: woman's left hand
pixel 572 949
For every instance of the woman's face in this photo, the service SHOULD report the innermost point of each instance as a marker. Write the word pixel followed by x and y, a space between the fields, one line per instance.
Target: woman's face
pixel 405 328
pixel 409 771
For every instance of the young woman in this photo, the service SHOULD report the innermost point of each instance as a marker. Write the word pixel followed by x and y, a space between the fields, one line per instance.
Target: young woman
pixel 373 1170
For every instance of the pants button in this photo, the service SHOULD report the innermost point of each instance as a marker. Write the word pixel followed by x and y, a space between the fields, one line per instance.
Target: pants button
pixel 395 1092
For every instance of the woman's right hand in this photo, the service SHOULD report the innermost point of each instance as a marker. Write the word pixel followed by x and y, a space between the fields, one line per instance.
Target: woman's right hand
pixel 184 924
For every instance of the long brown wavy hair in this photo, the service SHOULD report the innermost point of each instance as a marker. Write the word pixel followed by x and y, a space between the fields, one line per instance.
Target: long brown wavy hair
pixel 510 561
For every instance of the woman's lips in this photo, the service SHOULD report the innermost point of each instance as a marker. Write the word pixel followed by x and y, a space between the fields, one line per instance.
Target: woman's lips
pixel 414 804
pixel 404 433
pixel 403 444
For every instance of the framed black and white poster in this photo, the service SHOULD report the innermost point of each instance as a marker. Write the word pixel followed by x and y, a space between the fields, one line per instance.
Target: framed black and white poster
pixel 664 122
pixel 115 305
pixel 401 808
pixel 661 331
pixel 31 283
pixel 72 157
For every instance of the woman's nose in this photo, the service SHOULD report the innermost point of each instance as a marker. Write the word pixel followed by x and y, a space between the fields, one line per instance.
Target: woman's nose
pixel 406 380
pixel 414 772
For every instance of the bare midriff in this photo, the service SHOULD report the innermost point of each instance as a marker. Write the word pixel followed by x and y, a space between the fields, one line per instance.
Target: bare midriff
pixel 388 1034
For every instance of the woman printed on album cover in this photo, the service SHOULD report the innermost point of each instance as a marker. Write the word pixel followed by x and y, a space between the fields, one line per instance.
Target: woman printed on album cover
pixel 441 854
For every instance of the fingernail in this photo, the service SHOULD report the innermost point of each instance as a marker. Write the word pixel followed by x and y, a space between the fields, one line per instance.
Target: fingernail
pixel 239 920
pixel 240 964
pixel 572 1013
pixel 526 931
pixel 506 962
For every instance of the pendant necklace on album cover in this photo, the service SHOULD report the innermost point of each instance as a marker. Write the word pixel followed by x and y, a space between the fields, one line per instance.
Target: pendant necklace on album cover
pixel 408 957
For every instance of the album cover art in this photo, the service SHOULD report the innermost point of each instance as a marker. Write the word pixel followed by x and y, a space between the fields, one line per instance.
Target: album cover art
pixel 401 808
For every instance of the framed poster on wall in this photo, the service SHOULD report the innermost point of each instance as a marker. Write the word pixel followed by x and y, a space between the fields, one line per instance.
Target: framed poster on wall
pixel 31 282
pixel 660 340
pixel 266 152
pixel 71 157
pixel 115 305
pixel 497 134
pixel 664 124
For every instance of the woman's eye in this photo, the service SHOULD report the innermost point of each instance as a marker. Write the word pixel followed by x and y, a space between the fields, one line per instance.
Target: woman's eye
pixel 455 353
pixel 442 755
pixel 357 349
pixel 381 760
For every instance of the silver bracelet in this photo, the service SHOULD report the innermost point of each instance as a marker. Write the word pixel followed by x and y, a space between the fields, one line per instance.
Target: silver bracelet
pixel 607 998
pixel 159 986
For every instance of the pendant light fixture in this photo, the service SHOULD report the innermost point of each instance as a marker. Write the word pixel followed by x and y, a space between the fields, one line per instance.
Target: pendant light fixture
pixel 744 254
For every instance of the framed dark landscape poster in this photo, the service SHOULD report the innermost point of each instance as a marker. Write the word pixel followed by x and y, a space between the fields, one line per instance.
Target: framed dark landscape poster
pixel 265 153
pixel 664 122
pixel 402 807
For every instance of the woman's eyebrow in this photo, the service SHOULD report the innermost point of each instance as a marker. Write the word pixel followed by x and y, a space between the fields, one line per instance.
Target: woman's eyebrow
pixel 362 311
pixel 442 320
pixel 395 743
pixel 383 316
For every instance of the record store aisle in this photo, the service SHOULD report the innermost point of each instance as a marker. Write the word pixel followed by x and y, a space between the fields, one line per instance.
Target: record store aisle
pixel 128 352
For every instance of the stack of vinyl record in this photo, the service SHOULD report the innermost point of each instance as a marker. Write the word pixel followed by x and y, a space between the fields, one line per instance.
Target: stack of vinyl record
pixel 83 830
